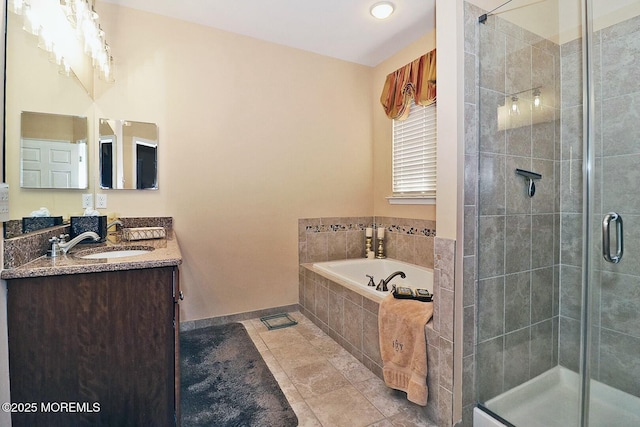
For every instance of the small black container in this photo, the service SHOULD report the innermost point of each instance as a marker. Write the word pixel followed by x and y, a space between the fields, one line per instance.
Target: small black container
pixel 81 224
pixel 34 223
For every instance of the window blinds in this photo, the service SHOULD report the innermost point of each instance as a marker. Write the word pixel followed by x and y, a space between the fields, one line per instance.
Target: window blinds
pixel 415 152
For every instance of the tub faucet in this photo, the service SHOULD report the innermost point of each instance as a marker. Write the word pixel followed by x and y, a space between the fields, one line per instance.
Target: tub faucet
pixel 58 244
pixel 382 286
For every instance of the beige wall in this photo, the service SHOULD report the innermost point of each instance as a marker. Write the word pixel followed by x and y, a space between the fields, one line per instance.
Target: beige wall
pixel 253 136
pixel 382 133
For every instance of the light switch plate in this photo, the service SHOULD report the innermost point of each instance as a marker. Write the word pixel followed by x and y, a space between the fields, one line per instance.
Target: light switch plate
pixel 87 200
pixel 101 201
pixel 4 202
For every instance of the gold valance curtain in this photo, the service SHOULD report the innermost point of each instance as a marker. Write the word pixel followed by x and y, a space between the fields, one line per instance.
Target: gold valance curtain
pixel 415 80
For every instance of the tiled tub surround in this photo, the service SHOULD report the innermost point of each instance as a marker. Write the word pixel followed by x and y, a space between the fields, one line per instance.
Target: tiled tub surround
pixel 364 276
pixel 345 315
pixel 352 320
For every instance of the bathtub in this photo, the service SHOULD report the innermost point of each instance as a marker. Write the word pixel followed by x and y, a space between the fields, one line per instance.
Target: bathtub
pixel 352 273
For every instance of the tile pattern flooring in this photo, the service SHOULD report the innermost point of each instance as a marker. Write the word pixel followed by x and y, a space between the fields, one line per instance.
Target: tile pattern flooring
pixel 325 385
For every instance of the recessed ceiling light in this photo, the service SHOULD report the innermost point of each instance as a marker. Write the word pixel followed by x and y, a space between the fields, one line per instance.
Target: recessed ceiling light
pixel 382 10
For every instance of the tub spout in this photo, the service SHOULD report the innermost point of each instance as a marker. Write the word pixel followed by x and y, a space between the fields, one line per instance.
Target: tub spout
pixel 382 286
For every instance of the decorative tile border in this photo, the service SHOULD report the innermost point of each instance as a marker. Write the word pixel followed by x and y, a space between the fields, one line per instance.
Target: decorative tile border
pixel 392 228
pixel 332 238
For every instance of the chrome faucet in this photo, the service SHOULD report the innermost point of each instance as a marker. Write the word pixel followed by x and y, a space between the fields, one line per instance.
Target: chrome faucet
pixel 58 244
pixel 382 286
pixel 112 223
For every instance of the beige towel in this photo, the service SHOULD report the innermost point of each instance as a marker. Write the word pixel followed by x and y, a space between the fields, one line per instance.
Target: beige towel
pixel 403 345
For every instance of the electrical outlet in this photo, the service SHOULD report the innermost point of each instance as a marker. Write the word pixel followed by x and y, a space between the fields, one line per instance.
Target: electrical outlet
pixel 87 200
pixel 101 201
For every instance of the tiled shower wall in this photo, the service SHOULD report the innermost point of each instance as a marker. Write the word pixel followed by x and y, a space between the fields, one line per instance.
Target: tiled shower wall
pixel 353 320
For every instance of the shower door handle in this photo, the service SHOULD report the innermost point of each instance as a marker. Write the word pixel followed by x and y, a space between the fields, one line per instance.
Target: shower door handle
pixel 606 238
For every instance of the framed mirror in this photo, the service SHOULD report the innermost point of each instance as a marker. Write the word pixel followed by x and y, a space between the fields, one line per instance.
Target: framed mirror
pixel 53 151
pixel 128 152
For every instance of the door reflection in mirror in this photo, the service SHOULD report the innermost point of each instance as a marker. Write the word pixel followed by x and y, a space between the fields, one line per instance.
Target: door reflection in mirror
pixel 53 151
pixel 128 154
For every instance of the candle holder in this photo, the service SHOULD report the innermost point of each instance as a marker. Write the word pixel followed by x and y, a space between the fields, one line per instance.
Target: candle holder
pixel 380 254
pixel 367 247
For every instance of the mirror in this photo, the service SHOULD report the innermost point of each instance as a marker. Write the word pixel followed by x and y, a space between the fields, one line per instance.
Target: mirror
pixel 53 151
pixel 35 83
pixel 128 154
pixel 34 86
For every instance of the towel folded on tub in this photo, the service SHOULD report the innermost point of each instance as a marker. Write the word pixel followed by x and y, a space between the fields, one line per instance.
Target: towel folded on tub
pixel 403 346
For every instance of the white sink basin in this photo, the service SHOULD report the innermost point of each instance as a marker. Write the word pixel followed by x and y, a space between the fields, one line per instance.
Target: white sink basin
pixel 122 253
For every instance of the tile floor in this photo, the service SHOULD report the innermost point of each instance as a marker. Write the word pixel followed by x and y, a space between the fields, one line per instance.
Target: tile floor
pixel 325 385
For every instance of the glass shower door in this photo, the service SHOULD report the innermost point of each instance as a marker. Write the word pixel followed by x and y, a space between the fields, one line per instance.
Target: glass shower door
pixel 614 273
pixel 527 344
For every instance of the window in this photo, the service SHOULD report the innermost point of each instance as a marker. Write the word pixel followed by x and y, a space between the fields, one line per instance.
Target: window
pixel 415 154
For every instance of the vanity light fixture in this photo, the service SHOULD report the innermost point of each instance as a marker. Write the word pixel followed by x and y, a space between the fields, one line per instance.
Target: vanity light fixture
pixel 382 10
pixel 83 17
pixel 16 6
pixel 59 26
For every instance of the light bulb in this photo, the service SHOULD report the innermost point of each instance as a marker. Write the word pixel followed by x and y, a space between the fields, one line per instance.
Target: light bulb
pixel 382 10
pixel 536 98
pixel 15 6
pixel 515 108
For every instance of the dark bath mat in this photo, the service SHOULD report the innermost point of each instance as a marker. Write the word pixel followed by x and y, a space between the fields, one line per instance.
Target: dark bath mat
pixel 277 321
pixel 225 382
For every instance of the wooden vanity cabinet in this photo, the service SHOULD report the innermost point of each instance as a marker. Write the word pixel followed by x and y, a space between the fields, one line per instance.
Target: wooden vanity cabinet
pixel 96 349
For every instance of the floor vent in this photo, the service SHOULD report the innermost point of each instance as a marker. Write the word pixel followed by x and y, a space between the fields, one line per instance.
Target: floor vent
pixel 278 321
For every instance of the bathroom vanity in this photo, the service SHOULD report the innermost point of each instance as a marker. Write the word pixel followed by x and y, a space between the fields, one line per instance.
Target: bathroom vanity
pixel 95 341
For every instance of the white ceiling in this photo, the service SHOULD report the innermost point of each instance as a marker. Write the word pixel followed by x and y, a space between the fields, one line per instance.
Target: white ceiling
pixel 342 29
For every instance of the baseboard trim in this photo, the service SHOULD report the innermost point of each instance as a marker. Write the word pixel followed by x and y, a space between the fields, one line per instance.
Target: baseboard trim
pixel 221 320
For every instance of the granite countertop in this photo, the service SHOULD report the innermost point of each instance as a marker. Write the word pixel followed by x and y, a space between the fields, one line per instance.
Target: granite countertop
pixel 166 253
